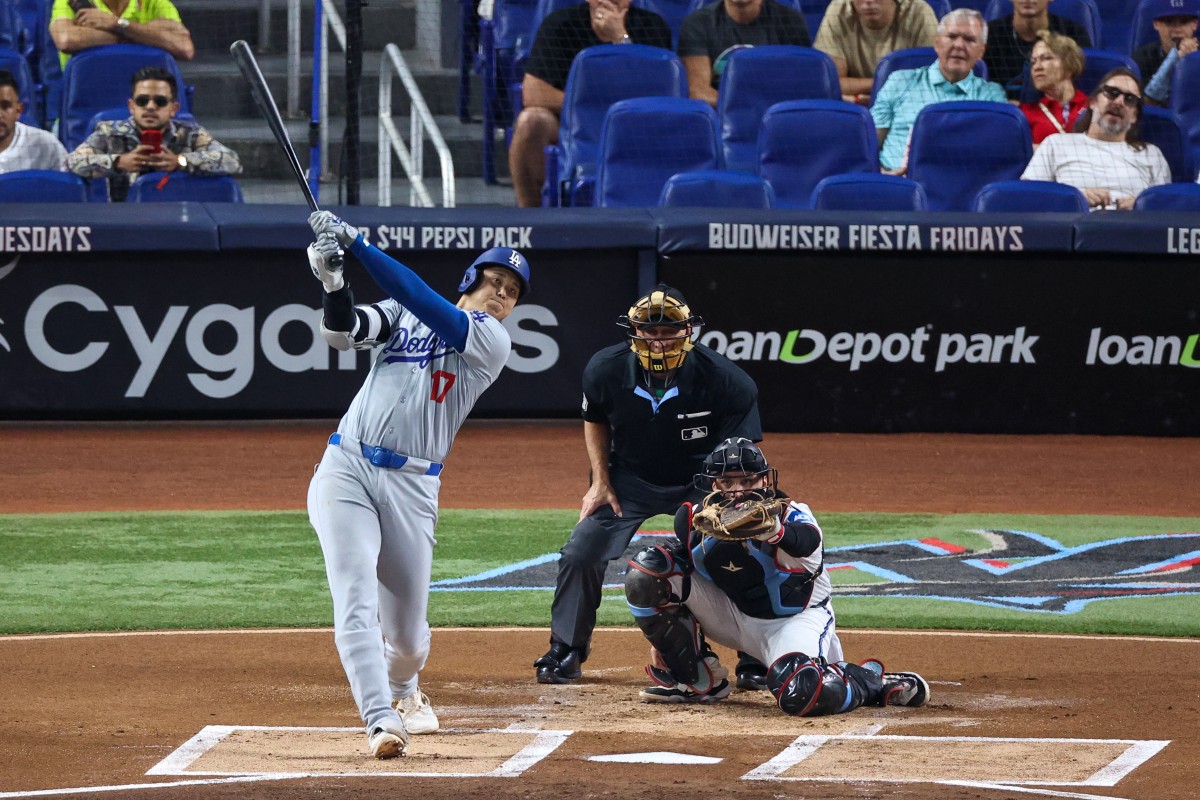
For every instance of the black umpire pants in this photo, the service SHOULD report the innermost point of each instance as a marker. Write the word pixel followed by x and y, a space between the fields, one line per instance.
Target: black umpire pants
pixel 596 541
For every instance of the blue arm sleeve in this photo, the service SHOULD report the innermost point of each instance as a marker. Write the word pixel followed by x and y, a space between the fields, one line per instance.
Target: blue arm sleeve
pixel 403 285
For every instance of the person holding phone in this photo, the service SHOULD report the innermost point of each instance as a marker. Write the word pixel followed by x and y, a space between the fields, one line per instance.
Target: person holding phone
pixel 150 140
pixel 78 24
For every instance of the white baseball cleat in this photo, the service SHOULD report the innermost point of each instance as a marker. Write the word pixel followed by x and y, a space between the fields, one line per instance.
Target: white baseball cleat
pixel 417 714
pixel 388 740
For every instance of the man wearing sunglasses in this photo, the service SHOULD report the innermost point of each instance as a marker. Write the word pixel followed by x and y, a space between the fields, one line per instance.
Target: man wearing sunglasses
pixel 150 140
pixel 1107 160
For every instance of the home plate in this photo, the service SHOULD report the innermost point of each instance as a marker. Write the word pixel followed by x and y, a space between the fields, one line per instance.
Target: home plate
pixel 656 758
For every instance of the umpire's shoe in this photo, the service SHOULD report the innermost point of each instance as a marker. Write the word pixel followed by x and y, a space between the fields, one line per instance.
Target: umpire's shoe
pixel 561 664
pixel 751 673
pixel 904 689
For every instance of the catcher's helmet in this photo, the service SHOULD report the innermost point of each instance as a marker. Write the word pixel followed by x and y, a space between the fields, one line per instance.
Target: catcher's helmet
pixel 738 456
pixel 662 307
pixel 500 257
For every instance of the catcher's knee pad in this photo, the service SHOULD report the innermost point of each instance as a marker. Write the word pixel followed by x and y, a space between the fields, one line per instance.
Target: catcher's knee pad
pixel 811 687
pixel 647 584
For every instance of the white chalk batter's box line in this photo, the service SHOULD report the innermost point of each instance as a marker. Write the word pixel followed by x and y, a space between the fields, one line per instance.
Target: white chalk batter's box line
pixel 544 743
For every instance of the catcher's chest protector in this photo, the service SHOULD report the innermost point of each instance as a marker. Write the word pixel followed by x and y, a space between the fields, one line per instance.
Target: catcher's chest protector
pixel 750 578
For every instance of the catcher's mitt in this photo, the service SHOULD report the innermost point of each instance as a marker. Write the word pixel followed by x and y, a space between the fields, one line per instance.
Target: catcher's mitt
pixel 738 519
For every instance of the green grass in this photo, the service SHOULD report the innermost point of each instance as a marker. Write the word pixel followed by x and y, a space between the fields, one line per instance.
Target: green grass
pixel 66 572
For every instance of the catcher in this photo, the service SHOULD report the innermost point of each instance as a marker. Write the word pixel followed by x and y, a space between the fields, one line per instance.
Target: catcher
pixel 747 572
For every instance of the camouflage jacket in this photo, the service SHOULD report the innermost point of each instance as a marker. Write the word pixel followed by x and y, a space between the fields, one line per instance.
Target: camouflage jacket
pixel 95 158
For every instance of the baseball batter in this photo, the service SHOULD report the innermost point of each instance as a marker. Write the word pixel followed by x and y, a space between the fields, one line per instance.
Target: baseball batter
pixel 768 596
pixel 374 498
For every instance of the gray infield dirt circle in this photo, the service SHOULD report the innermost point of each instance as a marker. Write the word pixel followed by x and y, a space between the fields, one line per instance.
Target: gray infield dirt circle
pixel 268 714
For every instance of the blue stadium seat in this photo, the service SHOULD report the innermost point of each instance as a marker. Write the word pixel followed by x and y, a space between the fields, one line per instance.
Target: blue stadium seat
pixel 1085 12
pixel 1115 16
pixel 1030 197
pixel 868 191
pixel 755 79
pixel 504 42
pixel 27 88
pixel 673 11
pixel 646 140
pixel 804 141
pixel 959 147
pixel 98 78
pixel 48 69
pixel 940 7
pixel 599 77
pixel 910 58
pixel 1169 197
pixel 42 186
pixel 716 188
pixel 1163 129
pixel 1185 101
pixel 978 5
pixel 181 186
pixel 1098 63
pixel 13 33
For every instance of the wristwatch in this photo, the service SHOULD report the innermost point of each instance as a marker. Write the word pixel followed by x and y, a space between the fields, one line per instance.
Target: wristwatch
pixel 183 162
pixel 122 26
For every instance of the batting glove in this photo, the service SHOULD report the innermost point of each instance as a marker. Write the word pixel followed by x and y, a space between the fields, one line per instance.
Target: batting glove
pixel 325 259
pixel 325 222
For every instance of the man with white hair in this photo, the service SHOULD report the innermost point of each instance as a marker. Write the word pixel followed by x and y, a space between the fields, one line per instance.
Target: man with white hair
pixel 960 42
pixel 1108 162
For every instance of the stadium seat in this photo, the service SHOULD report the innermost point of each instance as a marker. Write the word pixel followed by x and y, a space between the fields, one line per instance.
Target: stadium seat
pixel 868 191
pixel 1163 129
pixel 673 11
pixel 13 33
pixel 940 7
pixel 1097 64
pixel 48 69
pixel 959 147
pixel 1084 12
pixel 599 77
pixel 178 187
pixel 1185 101
pixel 28 92
pixel 504 42
pixel 98 78
pixel 42 186
pixel 1169 197
pixel 910 58
pixel 1115 16
pixel 978 5
pixel 646 140
pixel 716 188
pixel 759 77
pixel 804 141
pixel 1030 197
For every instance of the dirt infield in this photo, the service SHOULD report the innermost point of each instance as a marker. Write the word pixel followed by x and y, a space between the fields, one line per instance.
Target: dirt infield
pixel 176 715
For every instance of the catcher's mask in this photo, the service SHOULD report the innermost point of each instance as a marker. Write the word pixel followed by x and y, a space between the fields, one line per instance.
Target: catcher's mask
pixel 497 257
pixel 738 457
pixel 662 308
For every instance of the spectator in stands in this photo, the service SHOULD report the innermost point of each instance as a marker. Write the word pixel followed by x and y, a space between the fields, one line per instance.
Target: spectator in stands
pixel 710 33
pixel 1175 22
pixel 23 146
pixel 961 39
pixel 1057 62
pixel 560 37
pixel 116 149
pixel 1013 39
pixel 856 34
pixel 1107 160
pixel 79 24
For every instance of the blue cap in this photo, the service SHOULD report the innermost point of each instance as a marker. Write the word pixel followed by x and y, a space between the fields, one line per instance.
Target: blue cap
pixel 498 257
pixel 1174 8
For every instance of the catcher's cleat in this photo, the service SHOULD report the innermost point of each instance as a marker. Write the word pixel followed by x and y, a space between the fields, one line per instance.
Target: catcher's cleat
pixel 904 689
pixel 388 740
pixel 680 694
pixel 561 664
pixel 417 714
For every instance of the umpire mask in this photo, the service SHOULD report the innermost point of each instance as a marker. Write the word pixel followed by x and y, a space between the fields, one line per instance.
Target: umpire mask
pixel 659 327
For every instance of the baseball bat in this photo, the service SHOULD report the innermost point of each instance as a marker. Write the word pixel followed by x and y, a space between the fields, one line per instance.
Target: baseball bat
pixel 248 66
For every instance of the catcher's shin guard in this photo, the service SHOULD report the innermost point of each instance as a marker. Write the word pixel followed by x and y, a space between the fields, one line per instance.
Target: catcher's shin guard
pixel 812 687
pixel 666 624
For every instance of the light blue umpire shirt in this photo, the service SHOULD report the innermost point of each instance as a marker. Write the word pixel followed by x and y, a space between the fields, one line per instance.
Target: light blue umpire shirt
pixel 907 91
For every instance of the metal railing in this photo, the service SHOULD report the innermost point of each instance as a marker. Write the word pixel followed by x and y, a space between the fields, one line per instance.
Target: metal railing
pixel 420 123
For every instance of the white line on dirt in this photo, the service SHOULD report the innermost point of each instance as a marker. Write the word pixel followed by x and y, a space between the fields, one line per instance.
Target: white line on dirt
pixel 128 787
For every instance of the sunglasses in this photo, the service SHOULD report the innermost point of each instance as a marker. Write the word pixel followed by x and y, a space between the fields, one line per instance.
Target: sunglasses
pixel 160 101
pixel 1112 93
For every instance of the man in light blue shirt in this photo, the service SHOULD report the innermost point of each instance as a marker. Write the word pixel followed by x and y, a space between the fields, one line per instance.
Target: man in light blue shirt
pixel 960 42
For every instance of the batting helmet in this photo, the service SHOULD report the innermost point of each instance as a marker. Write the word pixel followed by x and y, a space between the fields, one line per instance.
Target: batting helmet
pixel 500 257
pixel 740 456
pixel 663 307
